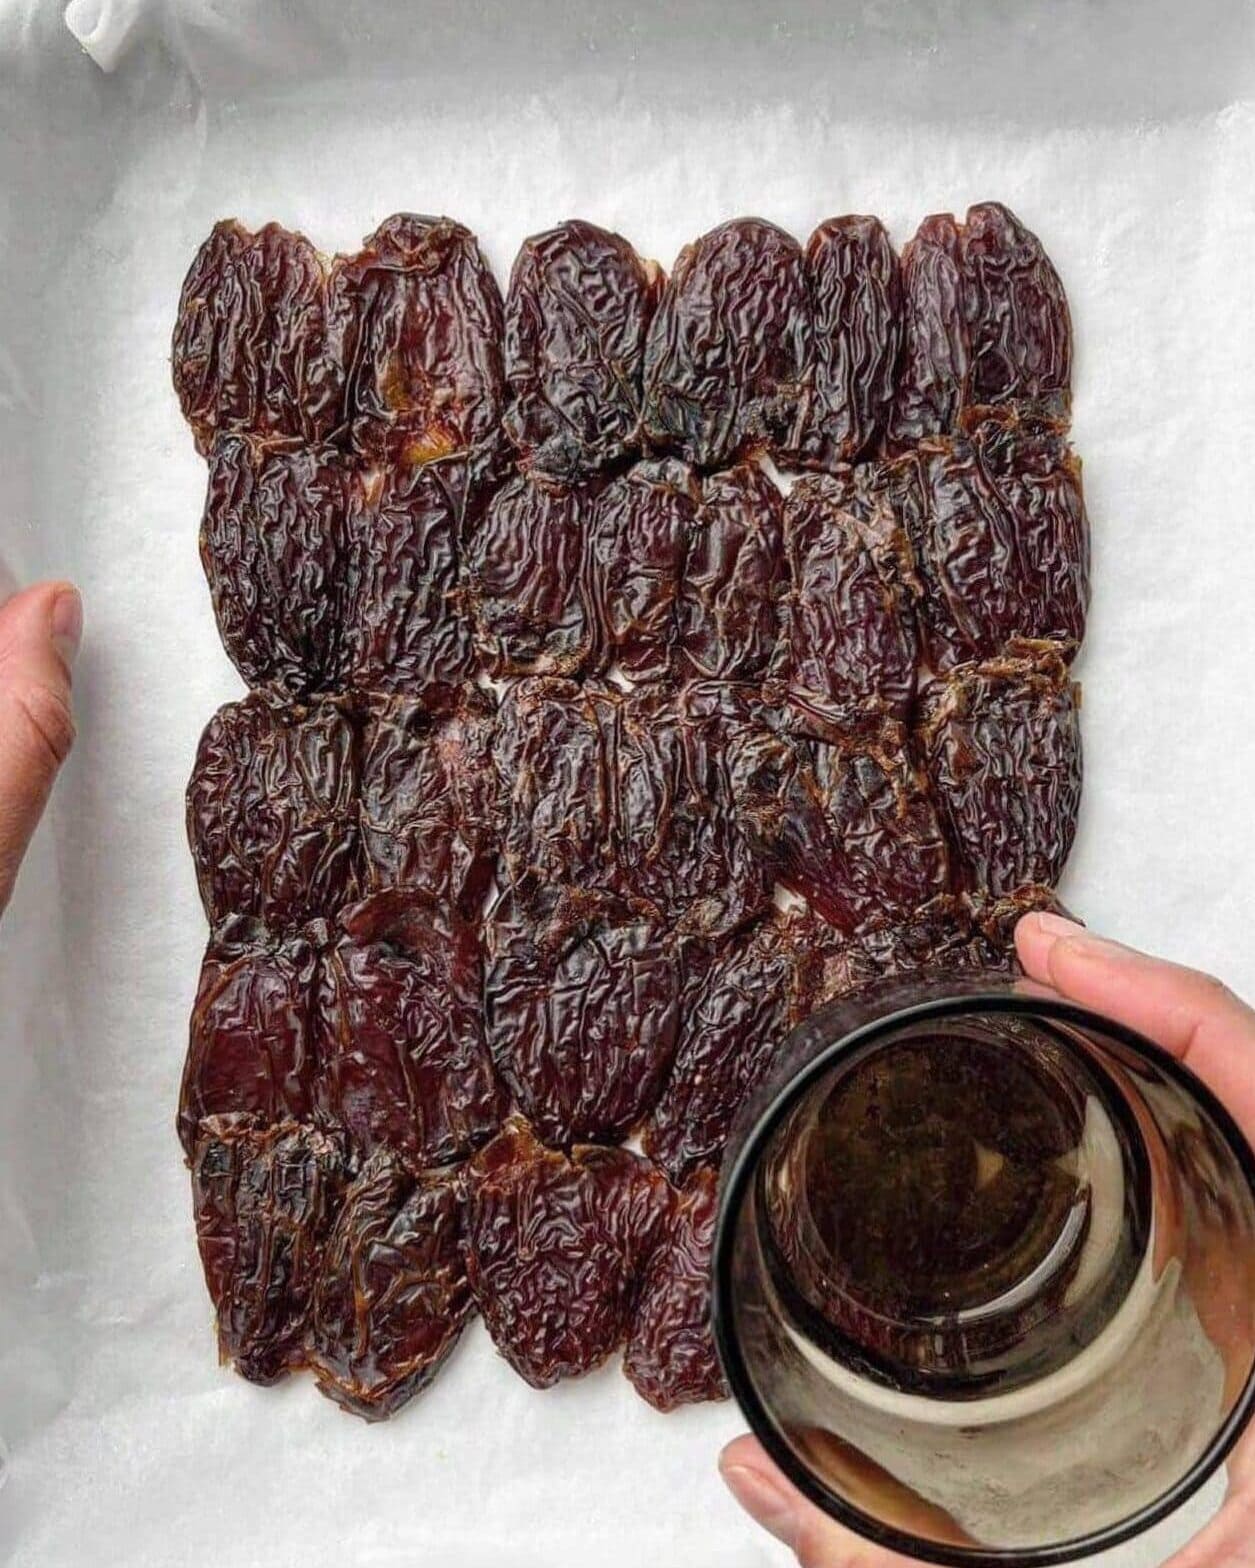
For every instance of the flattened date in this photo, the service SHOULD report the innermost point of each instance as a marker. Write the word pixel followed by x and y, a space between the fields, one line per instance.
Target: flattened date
pixel 582 1028
pixel 429 800
pixel 264 1201
pixel 392 1297
pixel 250 350
pixel 272 811
pixel 402 1041
pixel 1002 744
pixel 670 1358
pixel 579 304
pixel 251 1047
pixel 272 543
pixel 728 356
pixel 553 1248
pixel 415 322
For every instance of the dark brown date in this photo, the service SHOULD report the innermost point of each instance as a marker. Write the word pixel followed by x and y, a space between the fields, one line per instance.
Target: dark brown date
pixel 856 302
pixel 636 557
pixel 272 545
pixel 554 1244
pixel 392 1297
pixel 415 320
pixel 582 1025
pixel 1002 744
pixel 670 1358
pixel 728 356
pixel 249 352
pixel 429 800
pixel 272 812
pixel 525 577
pixel 251 1047
pixel 986 321
pixel 556 784
pixel 734 577
pixel 1016 313
pixel 406 628
pixel 849 643
pixel 680 844
pixel 737 1012
pixel 1001 539
pixel 579 304
pixel 402 1041
pixel 264 1201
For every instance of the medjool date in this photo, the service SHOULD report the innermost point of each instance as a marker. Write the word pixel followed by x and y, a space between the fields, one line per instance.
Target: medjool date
pixel 579 303
pixel 728 356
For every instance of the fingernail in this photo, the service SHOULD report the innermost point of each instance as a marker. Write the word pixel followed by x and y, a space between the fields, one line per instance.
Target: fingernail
pixel 1090 946
pixel 763 1500
pixel 67 625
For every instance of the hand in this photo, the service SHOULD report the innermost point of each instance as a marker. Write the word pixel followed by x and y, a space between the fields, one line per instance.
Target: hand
pixel 40 630
pixel 1201 1023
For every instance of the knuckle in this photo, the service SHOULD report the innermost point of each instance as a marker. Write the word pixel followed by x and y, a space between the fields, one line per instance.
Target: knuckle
pixel 46 725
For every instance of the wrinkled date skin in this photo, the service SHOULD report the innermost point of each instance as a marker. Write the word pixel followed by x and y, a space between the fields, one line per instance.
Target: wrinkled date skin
pixel 557 805
pixel 728 356
pixel 526 580
pixel 250 353
pixel 406 628
pixel 1002 744
pixel 737 1011
pixel 583 1027
pixel 680 844
pixel 272 812
pixel 860 837
pixel 401 1033
pixel 856 302
pixel 272 545
pixel 428 800
pixel 986 321
pixel 734 577
pixel 553 1248
pixel 415 320
pixel 251 1047
pixel 670 1358
pixel 636 557
pixel 1001 539
pixel 578 307
pixel 264 1201
pixel 849 643
pixel 392 1298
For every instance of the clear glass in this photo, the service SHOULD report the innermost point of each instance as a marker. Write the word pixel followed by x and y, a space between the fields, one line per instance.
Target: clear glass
pixel 985 1272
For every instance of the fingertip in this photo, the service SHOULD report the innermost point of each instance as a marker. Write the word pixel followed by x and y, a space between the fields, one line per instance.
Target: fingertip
pixel 1036 934
pixel 45 615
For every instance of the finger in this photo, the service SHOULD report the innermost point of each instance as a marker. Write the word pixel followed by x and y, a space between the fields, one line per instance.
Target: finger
pixel 817 1541
pixel 1227 1542
pixel 40 630
pixel 1186 1012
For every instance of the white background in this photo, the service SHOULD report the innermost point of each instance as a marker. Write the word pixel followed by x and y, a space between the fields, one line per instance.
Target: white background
pixel 1125 135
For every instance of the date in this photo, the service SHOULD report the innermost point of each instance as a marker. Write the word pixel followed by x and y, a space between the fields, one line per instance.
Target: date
pixel 1002 744
pixel 392 1296
pixel 578 307
pixel 401 1033
pixel 272 811
pixel 728 358
pixel 272 543
pixel 554 1244
pixel 264 1200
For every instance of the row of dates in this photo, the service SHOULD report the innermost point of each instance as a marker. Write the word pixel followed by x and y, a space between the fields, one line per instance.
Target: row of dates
pixel 327 576
pixel 405 351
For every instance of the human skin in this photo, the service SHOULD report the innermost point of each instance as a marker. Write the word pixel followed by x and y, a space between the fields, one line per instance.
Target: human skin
pixel 1200 1022
pixel 40 631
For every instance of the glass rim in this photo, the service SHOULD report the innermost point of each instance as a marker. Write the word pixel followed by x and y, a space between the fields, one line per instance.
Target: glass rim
pixel 733 1184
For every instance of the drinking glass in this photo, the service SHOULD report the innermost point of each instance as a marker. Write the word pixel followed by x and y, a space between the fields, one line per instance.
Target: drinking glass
pixel 984 1273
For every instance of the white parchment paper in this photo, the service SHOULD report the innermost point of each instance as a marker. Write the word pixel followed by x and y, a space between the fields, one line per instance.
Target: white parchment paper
pixel 1124 134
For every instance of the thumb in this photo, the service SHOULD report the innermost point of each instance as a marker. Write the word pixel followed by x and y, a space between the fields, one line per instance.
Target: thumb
pixel 40 630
